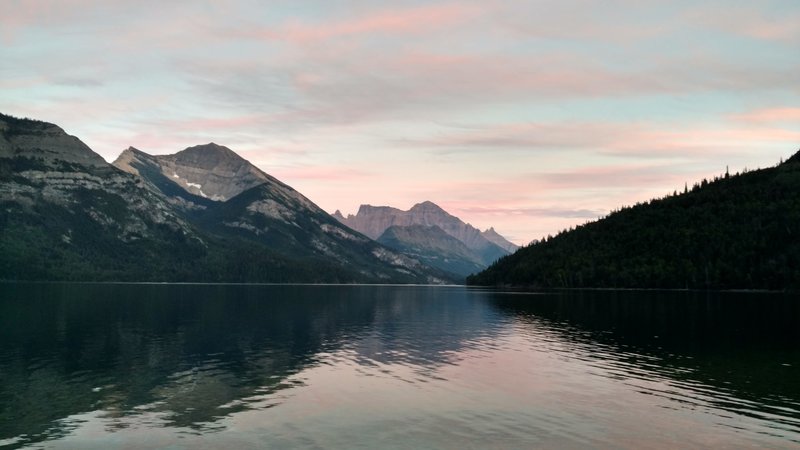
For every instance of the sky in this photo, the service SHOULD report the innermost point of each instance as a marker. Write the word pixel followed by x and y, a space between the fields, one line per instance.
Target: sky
pixel 529 116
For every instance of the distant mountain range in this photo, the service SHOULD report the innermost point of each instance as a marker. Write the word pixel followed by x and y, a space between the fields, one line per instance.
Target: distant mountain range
pixel 734 232
pixel 202 214
pixel 431 234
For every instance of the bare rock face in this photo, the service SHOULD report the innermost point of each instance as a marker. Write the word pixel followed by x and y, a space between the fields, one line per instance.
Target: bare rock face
pixel 41 164
pixel 434 247
pixel 497 239
pixel 45 143
pixel 211 171
pixel 373 221
pixel 131 160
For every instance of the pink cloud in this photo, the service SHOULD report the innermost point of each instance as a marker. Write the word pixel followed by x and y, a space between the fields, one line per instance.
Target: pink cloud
pixel 620 139
pixel 546 211
pixel 366 85
pixel 705 142
pixel 387 21
pixel 771 115
pixel 201 124
pixel 750 22
pixel 320 172
pixel 584 21
pixel 775 30
pixel 529 206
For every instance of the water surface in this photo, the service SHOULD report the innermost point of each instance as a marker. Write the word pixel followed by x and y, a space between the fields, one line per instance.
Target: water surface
pixel 238 366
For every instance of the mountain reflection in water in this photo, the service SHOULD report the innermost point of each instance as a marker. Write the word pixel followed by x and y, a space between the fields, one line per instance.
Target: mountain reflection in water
pixel 724 352
pixel 337 366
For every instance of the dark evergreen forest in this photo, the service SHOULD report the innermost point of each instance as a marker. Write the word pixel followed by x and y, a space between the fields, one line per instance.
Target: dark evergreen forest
pixel 737 231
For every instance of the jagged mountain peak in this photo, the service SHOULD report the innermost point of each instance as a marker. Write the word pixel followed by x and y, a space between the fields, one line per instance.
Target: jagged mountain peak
pixel 211 157
pixel 131 159
pixel 373 221
pixel 427 204
pixel 493 236
pixel 370 209
pixel 212 150
pixel 209 170
pixel 137 152
pixel 211 146
pixel 428 207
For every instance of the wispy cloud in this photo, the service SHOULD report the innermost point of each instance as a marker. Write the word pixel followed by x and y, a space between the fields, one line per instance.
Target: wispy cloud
pixel 387 21
pixel 537 212
pixel 780 23
pixel 324 173
pixel 779 115
pixel 644 140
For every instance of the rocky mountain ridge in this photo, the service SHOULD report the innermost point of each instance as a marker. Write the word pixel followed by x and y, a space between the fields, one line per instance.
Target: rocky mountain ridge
pixel 493 236
pixel 210 171
pixel 373 221
pixel 434 247
pixel 67 214
pixel 42 163
pixel 44 142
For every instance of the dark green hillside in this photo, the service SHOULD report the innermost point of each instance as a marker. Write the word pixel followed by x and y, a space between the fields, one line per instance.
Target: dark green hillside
pixel 736 232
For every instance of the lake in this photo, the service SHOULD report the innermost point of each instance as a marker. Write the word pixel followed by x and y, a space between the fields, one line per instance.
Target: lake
pixel 97 366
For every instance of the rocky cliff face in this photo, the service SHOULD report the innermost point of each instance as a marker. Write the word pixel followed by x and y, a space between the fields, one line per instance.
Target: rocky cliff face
pixel 45 143
pixel 43 164
pixel 374 220
pixel 67 214
pixel 211 171
pixel 500 241
pixel 431 245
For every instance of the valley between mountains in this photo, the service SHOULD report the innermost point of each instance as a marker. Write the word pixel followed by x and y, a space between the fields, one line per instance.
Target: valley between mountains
pixel 205 214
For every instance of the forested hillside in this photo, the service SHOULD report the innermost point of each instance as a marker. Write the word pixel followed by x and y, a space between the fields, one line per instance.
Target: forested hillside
pixel 735 232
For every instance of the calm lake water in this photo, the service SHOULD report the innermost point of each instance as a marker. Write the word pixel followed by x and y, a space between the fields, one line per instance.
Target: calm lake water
pixel 227 366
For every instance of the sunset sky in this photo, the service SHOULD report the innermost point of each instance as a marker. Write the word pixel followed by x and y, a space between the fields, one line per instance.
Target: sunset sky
pixel 529 116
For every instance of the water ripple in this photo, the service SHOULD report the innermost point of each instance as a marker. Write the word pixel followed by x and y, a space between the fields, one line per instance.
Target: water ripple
pixel 391 367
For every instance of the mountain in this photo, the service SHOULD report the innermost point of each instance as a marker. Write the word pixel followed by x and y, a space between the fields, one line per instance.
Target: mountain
pixel 239 201
pixel 148 169
pixel 203 214
pixel 434 247
pixel 67 214
pixel 44 145
pixel 210 171
pixel 373 221
pixel 734 232
pixel 495 238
